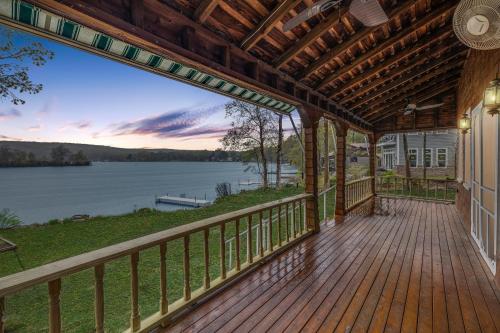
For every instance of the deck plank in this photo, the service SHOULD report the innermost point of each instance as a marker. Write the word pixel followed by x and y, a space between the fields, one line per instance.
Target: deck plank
pixel 414 270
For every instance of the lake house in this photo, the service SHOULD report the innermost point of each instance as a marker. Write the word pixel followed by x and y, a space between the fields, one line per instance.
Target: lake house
pixel 384 261
pixel 439 157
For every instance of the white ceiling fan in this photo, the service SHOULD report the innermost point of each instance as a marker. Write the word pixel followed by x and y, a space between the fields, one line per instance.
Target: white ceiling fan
pixel 412 107
pixel 368 12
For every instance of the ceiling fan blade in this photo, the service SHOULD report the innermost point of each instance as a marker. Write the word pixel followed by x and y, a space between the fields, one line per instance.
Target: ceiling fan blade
pixel 431 106
pixel 306 14
pixel 368 12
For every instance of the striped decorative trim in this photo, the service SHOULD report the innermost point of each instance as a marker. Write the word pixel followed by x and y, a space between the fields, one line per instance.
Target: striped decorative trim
pixel 50 23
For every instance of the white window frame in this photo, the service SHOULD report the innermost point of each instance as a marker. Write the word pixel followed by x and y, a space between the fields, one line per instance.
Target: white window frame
pixel 432 157
pixel 446 158
pixel 416 159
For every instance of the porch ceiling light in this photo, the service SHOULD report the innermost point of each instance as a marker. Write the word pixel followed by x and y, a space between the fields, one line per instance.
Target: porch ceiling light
pixel 464 123
pixel 492 97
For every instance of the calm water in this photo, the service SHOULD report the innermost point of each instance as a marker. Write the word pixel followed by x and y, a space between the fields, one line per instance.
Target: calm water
pixel 37 195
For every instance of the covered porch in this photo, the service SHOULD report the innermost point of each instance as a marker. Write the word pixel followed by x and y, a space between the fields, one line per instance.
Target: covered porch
pixel 414 269
pixel 382 264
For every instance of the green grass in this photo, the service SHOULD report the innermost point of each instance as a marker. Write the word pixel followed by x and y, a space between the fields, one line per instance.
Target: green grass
pixel 27 311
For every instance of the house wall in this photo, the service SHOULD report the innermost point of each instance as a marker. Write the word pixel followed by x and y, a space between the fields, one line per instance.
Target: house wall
pixel 479 69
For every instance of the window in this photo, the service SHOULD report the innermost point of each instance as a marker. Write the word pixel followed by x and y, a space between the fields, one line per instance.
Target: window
pixel 442 157
pixel 428 157
pixel 413 157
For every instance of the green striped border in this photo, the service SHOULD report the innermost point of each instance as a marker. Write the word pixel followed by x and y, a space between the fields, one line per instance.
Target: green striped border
pixel 50 23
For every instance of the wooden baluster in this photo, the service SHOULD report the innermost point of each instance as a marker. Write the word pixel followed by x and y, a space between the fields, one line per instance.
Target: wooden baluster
pixel 237 241
pixel 99 298
pixel 206 257
pixel 249 240
pixel 135 318
pixel 435 189
pixel 301 221
pixel 279 225
pixel 287 220
pixel 187 270
pixel 445 190
pixel 270 231
pixel 2 313
pixel 163 279
pixel 395 186
pixel 55 306
pixel 261 236
pixel 222 254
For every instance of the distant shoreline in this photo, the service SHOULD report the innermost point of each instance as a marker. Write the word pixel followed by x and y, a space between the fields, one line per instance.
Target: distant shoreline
pixel 41 164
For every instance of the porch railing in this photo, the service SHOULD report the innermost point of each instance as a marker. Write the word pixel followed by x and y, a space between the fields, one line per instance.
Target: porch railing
pixel 326 203
pixel 428 189
pixel 289 227
pixel 357 192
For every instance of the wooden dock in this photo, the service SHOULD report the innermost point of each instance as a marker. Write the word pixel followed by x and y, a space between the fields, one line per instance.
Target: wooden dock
pixel 181 201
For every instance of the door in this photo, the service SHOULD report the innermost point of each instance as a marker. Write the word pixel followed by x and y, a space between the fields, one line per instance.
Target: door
pixel 484 163
pixel 389 159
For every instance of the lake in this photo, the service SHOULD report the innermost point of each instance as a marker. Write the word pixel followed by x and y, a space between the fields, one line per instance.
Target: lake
pixel 38 195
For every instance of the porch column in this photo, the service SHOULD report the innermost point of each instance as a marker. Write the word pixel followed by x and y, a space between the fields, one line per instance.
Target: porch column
pixel 340 209
pixel 372 152
pixel 311 172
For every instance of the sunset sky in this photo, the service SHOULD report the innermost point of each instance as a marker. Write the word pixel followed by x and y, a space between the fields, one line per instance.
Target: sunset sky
pixel 94 100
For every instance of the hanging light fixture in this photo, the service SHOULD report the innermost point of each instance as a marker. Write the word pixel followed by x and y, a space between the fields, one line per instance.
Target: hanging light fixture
pixel 464 123
pixel 492 96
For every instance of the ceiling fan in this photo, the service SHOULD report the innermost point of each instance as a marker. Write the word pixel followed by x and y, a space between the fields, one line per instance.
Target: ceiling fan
pixel 368 12
pixel 412 107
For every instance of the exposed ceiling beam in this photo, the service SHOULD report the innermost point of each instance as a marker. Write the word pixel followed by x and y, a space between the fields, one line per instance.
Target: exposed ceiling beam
pixel 430 92
pixel 401 70
pixel 421 85
pixel 268 23
pixel 309 38
pixel 430 69
pixel 204 10
pixel 356 38
pixel 421 46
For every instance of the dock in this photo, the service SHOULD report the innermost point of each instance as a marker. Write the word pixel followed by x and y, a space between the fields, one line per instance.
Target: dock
pixel 182 201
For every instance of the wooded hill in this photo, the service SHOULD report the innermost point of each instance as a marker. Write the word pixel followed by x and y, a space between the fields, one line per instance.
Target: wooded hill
pixel 42 151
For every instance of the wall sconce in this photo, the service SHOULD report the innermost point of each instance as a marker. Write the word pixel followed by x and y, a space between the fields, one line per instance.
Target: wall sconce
pixel 464 123
pixel 492 96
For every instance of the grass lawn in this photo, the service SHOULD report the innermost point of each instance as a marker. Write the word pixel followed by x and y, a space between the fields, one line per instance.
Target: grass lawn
pixel 28 311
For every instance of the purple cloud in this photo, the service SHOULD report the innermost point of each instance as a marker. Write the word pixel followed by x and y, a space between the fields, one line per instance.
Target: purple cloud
pixel 181 123
pixel 78 125
pixel 12 113
pixel 9 138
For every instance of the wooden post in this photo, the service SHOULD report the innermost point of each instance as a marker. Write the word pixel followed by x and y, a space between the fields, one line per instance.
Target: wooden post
pixel 135 318
pixel 187 271
pixel 372 151
pixel 99 298
pixel 163 279
pixel 2 312
pixel 326 162
pixel 249 240
pixel 340 207
pixel 55 306
pixel 311 173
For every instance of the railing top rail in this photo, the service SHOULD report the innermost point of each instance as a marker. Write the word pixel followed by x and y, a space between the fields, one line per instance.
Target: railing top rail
pixel 359 180
pixel 415 178
pixel 327 190
pixel 31 277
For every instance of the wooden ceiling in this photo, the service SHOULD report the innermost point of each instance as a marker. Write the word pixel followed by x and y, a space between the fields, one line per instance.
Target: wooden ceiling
pixel 332 64
pixel 371 72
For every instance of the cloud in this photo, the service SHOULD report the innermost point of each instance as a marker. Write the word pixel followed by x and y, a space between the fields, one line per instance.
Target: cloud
pixel 48 107
pixel 182 123
pixel 34 128
pixel 9 138
pixel 77 125
pixel 10 114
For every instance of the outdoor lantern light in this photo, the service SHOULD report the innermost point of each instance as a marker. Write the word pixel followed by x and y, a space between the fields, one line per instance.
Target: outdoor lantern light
pixel 464 123
pixel 492 97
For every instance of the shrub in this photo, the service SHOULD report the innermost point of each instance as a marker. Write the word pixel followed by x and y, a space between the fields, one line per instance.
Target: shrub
pixel 8 219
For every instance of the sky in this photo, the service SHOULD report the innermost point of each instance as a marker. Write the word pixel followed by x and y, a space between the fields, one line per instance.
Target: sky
pixel 90 99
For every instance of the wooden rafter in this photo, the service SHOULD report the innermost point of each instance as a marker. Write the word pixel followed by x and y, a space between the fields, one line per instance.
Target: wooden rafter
pixel 399 71
pixel 204 10
pixel 429 18
pixel 392 62
pixel 432 69
pixel 356 38
pixel 268 23
pixel 419 86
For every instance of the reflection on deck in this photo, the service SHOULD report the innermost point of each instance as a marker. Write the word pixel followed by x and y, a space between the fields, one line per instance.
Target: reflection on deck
pixel 415 268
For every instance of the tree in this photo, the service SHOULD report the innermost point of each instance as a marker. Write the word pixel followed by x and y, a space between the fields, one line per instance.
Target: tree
pixel 59 154
pixel 252 129
pixel 279 150
pixel 79 158
pixel 14 76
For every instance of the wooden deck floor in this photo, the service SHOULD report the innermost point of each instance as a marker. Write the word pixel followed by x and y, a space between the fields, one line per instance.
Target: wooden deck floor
pixel 415 270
